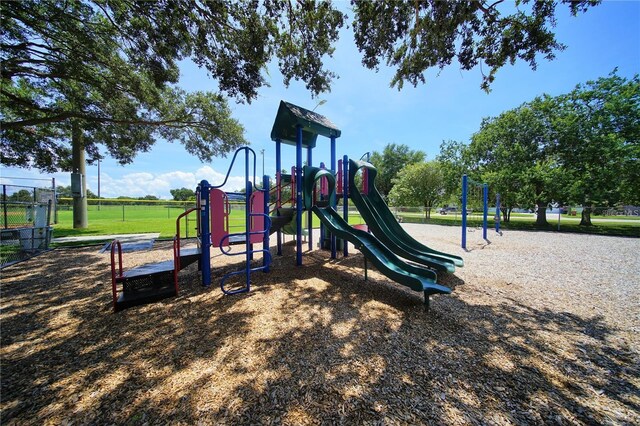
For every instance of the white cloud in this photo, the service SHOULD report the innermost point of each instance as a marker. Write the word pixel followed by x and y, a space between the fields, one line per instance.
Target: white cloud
pixel 159 184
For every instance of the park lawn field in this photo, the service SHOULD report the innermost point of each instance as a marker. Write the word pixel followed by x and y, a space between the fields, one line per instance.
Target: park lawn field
pixel 526 222
pixel 134 219
pixel 140 219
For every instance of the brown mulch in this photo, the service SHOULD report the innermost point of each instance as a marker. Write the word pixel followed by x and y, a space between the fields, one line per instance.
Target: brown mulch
pixel 318 344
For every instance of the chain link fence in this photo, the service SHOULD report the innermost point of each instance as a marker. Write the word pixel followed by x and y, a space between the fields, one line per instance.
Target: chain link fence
pixel 26 222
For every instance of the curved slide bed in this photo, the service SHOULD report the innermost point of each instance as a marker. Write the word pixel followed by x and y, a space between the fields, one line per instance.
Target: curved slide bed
pixel 384 225
pixel 414 277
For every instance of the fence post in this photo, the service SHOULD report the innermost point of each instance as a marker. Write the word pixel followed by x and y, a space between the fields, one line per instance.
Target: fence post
pixel 55 201
pixel 123 212
pixel 559 214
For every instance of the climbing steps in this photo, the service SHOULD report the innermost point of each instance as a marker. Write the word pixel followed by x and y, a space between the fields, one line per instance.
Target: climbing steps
pixel 151 282
pixel 147 283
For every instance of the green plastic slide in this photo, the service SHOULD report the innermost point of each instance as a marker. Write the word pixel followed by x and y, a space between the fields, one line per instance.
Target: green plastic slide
pixel 383 224
pixel 414 277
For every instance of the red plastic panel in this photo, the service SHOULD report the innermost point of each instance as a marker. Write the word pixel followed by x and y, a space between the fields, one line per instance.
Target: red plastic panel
pixel 324 187
pixel 257 222
pixel 362 227
pixel 219 216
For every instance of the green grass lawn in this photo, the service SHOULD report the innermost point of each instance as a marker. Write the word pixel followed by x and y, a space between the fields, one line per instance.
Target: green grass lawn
pixel 133 219
pixel 140 219
pixel 130 220
pixel 610 226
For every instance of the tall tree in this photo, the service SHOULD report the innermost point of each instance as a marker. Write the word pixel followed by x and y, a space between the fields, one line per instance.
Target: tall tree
pixel 514 153
pixel 419 184
pixel 582 147
pixel 80 74
pixel 390 161
pixel 454 162
pixel 597 134
pixel 86 73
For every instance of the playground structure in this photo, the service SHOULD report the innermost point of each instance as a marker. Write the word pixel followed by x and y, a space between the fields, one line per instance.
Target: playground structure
pixel 382 241
pixel 152 282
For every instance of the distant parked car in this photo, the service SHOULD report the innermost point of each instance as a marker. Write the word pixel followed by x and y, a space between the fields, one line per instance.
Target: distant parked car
pixel 446 209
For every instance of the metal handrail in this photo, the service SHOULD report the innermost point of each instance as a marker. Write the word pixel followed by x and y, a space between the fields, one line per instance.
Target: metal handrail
pixel 244 148
pixel 177 236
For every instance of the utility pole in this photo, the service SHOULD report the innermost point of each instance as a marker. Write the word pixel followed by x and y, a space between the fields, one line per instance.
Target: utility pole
pixel 78 178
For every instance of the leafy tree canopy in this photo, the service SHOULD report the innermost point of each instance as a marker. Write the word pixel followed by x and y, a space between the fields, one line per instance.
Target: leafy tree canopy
pixel 415 36
pixel 110 69
pixel 183 194
pixel 65 192
pixel 419 184
pixel 453 164
pixel 596 130
pixel 23 195
pixel 581 147
pixel 390 161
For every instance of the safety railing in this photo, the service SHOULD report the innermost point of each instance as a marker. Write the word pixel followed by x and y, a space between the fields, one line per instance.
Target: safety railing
pixel 177 236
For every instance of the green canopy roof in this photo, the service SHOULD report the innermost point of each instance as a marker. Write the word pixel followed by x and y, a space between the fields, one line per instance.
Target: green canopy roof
pixel 313 124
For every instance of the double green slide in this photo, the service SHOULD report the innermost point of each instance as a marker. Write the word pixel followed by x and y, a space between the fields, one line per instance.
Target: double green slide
pixel 387 245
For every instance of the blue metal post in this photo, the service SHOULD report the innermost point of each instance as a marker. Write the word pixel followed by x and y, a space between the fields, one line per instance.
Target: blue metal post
pixel 205 232
pixel 309 215
pixel 345 198
pixel 265 241
pixel 485 213
pixel 298 195
pixel 278 172
pixel 333 202
pixel 247 220
pixel 497 217
pixel 464 212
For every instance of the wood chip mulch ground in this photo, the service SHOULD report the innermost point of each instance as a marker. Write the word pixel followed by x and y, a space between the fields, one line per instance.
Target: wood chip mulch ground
pixel 541 328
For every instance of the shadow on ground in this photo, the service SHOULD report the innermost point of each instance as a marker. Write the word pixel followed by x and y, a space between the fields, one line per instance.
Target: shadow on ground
pixel 309 344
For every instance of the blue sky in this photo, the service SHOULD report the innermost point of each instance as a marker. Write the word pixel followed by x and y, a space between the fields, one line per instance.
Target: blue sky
pixel 370 114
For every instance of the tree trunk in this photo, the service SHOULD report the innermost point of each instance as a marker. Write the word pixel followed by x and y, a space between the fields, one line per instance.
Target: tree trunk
pixel 506 214
pixel 427 211
pixel 585 219
pixel 78 165
pixel 541 220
